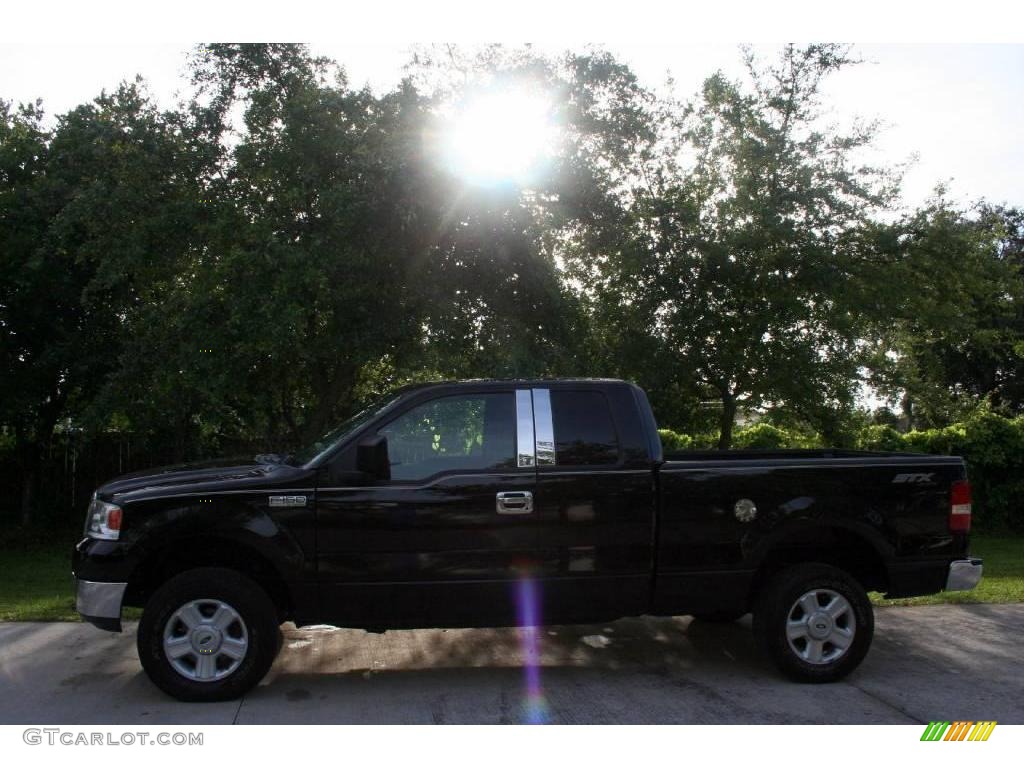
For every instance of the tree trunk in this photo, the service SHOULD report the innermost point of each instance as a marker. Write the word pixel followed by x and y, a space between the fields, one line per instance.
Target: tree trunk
pixel 32 440
pixel 28 465
pixel 907 406
pixel 728 419
pixel 28 487
pixel 295 437
pixel 333 395
pixel 182 433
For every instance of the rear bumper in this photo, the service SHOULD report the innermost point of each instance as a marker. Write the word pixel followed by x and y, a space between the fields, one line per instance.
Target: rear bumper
pixel 99 602
pixel 963 574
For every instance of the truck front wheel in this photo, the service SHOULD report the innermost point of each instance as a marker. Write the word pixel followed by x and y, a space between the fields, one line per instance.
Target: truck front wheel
pixel 208 634
pixel 815 621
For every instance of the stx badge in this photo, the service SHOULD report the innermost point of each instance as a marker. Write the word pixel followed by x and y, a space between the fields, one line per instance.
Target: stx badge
pixel 914 477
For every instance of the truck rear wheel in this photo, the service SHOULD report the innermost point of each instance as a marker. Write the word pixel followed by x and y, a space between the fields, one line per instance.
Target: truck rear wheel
pixel 815 621
pixel 208 634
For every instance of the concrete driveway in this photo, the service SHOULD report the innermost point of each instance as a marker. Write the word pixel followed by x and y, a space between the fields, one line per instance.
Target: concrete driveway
pixel 927 663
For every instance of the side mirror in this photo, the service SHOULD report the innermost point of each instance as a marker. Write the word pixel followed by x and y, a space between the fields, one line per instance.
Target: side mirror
pixel 372 457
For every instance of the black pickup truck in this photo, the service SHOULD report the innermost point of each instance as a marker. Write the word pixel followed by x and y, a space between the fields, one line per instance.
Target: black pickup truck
pixel 433 507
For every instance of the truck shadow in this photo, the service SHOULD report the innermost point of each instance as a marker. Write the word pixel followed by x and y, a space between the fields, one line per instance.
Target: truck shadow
pixel 586 673
pixel 657 644
pixel 961 659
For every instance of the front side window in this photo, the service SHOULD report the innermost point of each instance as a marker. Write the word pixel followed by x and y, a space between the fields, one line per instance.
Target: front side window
pixel 456 433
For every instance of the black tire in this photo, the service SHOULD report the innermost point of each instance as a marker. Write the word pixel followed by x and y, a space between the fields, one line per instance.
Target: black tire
pixel 719 617
pixel 261 630
pixel 777 605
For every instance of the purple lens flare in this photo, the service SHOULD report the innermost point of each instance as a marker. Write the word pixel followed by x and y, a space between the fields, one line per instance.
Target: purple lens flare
pixel 535 708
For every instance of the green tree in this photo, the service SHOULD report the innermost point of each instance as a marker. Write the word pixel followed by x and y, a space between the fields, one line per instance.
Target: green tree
pixel 741 266
pixel 339 257
pixel 92 214
pixel 502 304
pixel 31 384
pixel 954 335
pixel 332 256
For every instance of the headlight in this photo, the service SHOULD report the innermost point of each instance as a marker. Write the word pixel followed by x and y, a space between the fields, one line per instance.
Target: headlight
pixel 103 520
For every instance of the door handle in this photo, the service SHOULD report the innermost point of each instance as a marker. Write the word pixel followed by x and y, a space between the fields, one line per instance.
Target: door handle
pixel 515 503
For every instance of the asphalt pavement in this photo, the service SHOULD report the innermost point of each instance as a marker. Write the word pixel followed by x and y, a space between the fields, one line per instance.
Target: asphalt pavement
pixel 945 662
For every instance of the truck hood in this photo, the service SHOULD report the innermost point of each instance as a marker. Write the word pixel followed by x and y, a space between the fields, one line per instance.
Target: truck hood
pixel 205 476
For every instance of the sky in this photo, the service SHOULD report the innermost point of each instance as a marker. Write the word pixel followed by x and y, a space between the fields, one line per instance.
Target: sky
pixel 959 108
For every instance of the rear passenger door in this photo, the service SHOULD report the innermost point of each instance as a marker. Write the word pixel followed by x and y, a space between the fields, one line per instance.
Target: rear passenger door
pixel 595 503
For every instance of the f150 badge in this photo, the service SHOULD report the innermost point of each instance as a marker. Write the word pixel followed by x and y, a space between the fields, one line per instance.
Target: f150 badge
pixel 287 501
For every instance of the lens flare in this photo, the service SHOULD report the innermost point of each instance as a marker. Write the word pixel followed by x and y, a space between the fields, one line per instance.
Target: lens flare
pixel 535 708
pixel 500 137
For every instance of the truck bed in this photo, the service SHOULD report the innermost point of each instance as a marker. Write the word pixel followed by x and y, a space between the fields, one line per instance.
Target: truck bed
pixel 722 511
pixel 752 454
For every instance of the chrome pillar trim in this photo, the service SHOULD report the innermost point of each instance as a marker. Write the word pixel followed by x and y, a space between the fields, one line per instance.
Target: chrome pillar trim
pixel 544 427
pixel 963 575
pixel 100 599
pixel 525 449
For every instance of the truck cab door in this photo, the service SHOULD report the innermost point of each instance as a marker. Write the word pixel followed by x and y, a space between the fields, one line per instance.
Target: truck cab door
pixel 596 500
pixel 443 541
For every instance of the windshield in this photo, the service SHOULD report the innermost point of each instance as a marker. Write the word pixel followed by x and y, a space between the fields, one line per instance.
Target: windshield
pixel 328 441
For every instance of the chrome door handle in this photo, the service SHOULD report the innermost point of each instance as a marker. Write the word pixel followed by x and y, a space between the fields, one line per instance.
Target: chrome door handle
pixel 515 503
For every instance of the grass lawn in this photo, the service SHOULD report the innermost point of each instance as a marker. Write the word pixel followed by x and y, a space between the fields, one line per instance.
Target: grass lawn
pixel 1001 582
pixel 36 585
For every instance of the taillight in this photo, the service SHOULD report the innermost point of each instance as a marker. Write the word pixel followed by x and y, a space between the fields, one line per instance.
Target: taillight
pixel 960 507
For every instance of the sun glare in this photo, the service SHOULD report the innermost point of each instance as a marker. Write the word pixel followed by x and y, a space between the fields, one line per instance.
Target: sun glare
pixel 499 137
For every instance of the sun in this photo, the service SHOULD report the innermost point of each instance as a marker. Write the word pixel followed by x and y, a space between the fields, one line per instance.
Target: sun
pixel 502 136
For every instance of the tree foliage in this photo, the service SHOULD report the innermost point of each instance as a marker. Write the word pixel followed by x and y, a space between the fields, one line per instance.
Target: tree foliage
pixel 952 335
pixel 92 215
pixel 741 268
pixel 245 269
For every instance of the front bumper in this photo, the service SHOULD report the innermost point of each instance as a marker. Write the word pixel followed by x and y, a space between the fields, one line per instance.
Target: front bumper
pixel 963 574
pixel 99 602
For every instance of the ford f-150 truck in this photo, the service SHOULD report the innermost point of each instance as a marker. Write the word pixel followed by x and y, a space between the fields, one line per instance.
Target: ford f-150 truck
pixel 430 508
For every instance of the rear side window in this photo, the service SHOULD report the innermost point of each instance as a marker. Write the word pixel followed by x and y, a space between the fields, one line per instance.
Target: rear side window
pixel 584 431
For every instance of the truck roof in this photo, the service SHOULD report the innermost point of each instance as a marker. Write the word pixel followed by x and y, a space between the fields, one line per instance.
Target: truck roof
pixel 525 382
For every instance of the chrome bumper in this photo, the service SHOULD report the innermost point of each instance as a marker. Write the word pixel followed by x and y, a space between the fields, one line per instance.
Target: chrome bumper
pixel 963 575
pixel 99 602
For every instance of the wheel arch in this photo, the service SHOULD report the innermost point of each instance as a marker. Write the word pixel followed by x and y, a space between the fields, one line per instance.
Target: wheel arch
pixel 844 547
pixel 190 552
